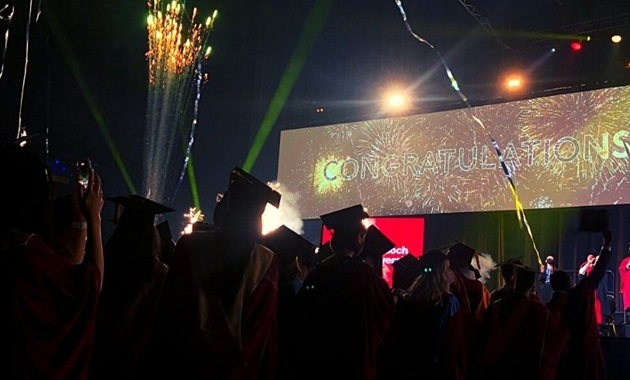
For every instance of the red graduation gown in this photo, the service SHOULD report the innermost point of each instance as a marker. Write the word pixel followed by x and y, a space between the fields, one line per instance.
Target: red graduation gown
pixel 55 313
pixel 624 282
pixel 217 315
pixel 522 340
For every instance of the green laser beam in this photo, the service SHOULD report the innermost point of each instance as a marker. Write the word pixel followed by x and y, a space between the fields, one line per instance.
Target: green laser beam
pixel 314 24
pixel 194 191
pixel 71 59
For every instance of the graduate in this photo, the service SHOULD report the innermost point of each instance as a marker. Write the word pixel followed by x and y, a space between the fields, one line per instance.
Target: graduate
pixel 217 315
pixel 624 285
pixel 575 306
pixel 52 271
pixel 507 269
pixel 344 304
pixel 134 277
pixel 520 338
pixel 424 341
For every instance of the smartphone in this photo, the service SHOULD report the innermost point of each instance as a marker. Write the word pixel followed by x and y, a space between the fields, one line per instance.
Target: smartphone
pixel 84 171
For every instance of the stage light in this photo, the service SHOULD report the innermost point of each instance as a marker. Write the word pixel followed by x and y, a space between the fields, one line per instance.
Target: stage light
pixel 553 50
pixel 319 109
pixel 513 82
pixel 395 100
pixel 616 38
pixel 576 46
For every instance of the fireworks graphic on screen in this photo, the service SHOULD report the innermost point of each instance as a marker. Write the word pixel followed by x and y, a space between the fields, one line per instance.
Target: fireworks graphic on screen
pixel 580 134
pixel 341 131
pixel 176 50
pixel 327 176
pixel 384 142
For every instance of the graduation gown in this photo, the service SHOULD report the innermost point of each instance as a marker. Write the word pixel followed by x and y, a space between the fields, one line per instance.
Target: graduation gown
pixel 522 339
pixel 474 299
pixel 583 357
pixel 424 341
pixel 217 315
pixel 624 282
pixel 346 309
pixel 54 313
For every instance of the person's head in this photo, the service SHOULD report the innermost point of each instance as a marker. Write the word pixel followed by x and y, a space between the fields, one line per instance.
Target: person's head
pixel 524 280
pixel 28 191
pixel 560 281
pixel 461 256
pixel 590 258
pixel 549 260
pixel 349 232
pixel 435 277
pixel 507 270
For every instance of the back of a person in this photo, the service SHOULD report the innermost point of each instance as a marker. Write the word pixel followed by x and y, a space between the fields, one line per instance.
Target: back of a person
pixel 583 358
pixel 519 335
pixel 348 308
pixel 419 342
pixel 54 290
pixel 211 323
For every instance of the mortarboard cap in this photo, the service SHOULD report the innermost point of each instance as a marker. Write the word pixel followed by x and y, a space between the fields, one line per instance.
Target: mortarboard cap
pixel 508 267
pixel 137 208
pixel 525 277
pixel 288 245
pixel 348 219
pixel 593 220
pixel 431 258
pixel 164 229
pixel 376 243
pixel 511 261
pixel 252 188
pixel 406 269
pixel 375 246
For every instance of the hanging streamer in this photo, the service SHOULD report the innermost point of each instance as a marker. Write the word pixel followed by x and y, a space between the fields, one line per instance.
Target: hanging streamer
pixel 520 211
pixel 8 18
pixel 21 131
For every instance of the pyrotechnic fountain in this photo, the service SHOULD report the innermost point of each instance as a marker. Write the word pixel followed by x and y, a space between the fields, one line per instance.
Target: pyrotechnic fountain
pixel 176 52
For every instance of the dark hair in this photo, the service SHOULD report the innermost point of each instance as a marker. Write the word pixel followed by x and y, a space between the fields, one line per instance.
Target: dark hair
pixel 28 192
pixel 525 279
pixel 507 269
pixel 346 239
pixel 560 281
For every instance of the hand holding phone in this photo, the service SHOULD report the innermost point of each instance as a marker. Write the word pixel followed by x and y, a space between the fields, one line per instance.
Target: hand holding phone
pixel 84 166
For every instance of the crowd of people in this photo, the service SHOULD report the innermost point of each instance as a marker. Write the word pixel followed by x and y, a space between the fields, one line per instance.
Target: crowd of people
pixel 226 302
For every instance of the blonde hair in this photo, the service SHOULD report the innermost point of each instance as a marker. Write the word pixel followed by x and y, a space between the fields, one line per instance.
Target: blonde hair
pixel 431 284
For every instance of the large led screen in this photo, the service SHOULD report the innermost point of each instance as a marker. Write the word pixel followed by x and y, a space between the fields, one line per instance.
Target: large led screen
pixel 407 233
pixel 562 151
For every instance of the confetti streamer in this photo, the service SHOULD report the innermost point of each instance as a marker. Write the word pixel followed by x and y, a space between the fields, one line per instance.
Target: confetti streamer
pixel 520 211
pixel 8 18
pixel 21 131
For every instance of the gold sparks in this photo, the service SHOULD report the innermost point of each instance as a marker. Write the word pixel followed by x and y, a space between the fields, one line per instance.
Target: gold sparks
pixel 193 216
pixel 175 42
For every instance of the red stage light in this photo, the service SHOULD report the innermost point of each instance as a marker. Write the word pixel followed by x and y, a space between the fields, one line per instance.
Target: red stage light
pixel 576 46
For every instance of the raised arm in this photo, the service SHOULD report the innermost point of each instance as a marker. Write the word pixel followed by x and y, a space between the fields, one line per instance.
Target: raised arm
pixel 91 202
pixel 597 274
